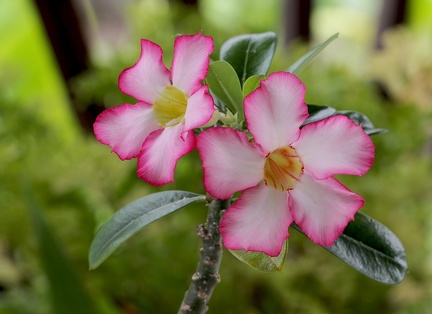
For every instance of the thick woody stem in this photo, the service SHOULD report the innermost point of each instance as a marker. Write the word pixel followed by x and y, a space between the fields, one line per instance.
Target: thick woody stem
pixel 206 277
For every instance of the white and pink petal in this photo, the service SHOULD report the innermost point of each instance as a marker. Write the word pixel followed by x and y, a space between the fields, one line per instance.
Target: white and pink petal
pixel 335 145
pixel 323 208
pixel 257 221
pixel 199 110
pixel 191 61
pixel 148 77
pixel 124 128
pixel 230 162
pixel 276 110
pixel 161 151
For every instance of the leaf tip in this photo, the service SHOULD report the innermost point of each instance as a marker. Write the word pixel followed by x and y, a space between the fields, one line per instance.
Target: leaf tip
pixel 92 264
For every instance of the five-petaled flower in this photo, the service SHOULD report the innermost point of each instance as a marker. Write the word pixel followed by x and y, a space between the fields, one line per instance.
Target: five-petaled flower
pixel 286 172
pixel 158 129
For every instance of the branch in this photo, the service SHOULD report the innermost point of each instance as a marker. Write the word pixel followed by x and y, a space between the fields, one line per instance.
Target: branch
pixel 206 277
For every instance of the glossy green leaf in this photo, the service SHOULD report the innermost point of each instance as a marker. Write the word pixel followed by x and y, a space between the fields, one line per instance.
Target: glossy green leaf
pixel 317 113
pixel 261 261
pixel 304 61
pixel 67 291
pixel 133 217
pixel 372 249
pixel 224 83
pixel 251 84
pixel 249 54
pixel 361 119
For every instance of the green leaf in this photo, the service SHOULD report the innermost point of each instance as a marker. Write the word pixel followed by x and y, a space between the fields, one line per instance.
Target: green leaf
pixel 372 249
pixel 361 119
pixel 67 292
pixel 251 84
pixel 224 83
pixel 134 216
pixel 261 261
pixel 304 61
pixel 249 54
pixel 317 113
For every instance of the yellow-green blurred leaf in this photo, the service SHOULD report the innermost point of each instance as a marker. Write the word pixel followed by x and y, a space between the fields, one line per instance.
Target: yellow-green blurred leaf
pixel 261 261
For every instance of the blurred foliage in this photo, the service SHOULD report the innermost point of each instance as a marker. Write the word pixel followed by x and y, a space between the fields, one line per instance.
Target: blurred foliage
pixel 79 184
pixel 411 80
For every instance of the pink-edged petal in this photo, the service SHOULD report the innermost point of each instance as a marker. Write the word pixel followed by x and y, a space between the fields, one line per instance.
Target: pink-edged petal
pixel 231 163
pixel 275 110
pixel 191 61
pixel 335 145
pixel 125 128
pixel 148 77
pixel 323 208
pixel 199 110
pixel 257 221
pixel 160 153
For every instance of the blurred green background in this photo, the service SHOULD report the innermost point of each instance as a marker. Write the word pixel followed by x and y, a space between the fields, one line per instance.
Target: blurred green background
pixel 58 184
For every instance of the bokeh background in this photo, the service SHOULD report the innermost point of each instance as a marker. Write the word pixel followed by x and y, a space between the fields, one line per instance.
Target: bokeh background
pixel 58 184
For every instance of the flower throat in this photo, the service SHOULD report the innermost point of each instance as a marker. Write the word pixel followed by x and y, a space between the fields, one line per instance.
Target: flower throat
pixel 283 168
pixel 170 107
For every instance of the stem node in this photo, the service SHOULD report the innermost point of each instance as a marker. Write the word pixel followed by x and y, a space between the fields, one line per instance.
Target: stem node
pixel 206 277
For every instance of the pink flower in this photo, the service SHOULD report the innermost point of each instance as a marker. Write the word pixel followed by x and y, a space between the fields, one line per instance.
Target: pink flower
pixel 286 172
pixel 158 129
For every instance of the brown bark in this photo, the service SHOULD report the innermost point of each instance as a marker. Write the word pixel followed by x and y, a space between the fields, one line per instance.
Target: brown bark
pixel 296 14
pixel 64 32
pixel 392 14
pixel 206 277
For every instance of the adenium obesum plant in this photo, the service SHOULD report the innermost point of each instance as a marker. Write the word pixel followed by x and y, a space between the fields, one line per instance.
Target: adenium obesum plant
pixel 256 135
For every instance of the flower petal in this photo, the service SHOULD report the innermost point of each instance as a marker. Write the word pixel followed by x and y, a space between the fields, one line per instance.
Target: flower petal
pixel 335 145
pixel 147 78
pixel 199 110
pixel 323 208
pixel 191 61
pixel 125 128
pixel 160 153
pixel 257 221
pixel 231 163
pixel 276 110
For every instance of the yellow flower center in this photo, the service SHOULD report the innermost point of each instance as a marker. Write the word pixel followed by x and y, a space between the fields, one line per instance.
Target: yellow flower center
pixel 283 168
pixel 170 107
